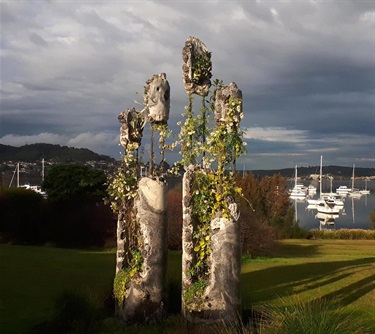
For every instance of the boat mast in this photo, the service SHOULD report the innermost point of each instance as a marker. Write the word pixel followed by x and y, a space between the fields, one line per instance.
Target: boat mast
pixel 320 177
pixel 353 177
pixel 14 173
pixel 18 175
pixel 42 169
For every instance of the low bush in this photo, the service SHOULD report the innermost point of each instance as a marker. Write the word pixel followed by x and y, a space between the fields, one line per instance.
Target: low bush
pixel 320 316
pixel 372 218
pixel 29 219
pixel 22 217
pixel 257 238
pixel 344 234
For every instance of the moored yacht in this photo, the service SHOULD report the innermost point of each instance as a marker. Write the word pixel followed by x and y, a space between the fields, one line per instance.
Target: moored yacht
pixel 343 190
pixel 299 190
pixel 355 192
pixel 365 191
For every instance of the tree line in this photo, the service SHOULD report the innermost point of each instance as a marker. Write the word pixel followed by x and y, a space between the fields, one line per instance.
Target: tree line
pixel 75 215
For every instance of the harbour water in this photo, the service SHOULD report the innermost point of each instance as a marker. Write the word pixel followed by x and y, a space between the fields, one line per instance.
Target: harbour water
pixel 355 214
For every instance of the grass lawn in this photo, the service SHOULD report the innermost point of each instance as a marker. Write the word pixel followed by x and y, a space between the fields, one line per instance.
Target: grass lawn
pixel 32 277
pixel 306 270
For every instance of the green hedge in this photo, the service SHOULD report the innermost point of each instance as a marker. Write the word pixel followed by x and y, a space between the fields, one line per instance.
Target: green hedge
pixel 344 234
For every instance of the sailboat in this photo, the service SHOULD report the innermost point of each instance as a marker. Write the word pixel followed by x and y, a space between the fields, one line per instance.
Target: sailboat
pixel 299 190
pixel 314 202
pixel 355 192
pixel 325 203
pixel 326 219
pixel 365 191
pixel 37 189
pixel 337 198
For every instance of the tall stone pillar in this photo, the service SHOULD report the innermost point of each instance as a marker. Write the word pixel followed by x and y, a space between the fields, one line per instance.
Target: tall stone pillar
pixel 213 297
pixel 142 218
pixel 187 236
pixel 197 66
pixel 144 293
pixel 157 98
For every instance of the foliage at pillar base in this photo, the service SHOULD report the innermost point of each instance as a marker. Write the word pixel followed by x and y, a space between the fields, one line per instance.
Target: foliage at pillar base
pixel 124 276
pixel 123 190
pixel 213 195
pixel 193 295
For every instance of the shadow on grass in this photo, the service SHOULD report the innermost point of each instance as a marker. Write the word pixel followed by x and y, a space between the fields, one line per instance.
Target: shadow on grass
pixel 354 291
pixel 264 285
pixel 295 250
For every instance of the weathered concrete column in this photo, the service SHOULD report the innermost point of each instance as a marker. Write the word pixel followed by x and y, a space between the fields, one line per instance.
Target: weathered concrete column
pixel 144 292
pixel 197 66
pixel 219 300
pixel 132 124
pixel 222 98
pixel 223 291
pixel 187 235
pixel 157 98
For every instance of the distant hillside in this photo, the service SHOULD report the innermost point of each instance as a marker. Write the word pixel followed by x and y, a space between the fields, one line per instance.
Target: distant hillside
pixel 57 153
pixel 336 171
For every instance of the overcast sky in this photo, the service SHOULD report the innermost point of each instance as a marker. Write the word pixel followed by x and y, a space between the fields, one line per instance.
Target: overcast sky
pixel 306 70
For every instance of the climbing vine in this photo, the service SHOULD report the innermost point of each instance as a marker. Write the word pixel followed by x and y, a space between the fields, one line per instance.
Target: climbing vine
pixel 122 191
pixel 213 187
pixel 124 276
pixel 201 67
pixel 123 185
pixel 225 143
pixel 164 134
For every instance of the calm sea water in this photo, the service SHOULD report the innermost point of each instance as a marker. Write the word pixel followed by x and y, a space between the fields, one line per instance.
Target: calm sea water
pixel 355 214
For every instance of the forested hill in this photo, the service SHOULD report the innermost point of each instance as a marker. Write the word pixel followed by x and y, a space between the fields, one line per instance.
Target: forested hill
pixel 57 153
pixel 336 171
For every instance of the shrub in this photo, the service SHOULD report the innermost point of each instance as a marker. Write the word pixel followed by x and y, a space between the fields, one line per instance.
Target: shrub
pixel 27 218
pixel 344 234
pixel 81 224
pixel 22 216
pixel 257 237
pixel 372 218
pixel 270 202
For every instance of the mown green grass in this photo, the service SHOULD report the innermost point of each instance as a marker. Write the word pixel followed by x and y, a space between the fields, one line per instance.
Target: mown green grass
pixel 342 270
pixel 309 270
pixel 32 277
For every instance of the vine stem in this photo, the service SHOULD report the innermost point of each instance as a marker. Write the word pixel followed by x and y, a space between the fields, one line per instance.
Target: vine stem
pixel 190 116
pixel 152 152
pixel 162 142
pixel 203 127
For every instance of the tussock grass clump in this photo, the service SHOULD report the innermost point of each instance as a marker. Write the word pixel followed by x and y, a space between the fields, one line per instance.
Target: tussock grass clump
pixel 320 316
pixel 74 312
pixel 344 234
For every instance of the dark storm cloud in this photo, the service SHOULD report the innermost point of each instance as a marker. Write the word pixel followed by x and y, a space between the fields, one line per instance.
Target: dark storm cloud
pixel 305 68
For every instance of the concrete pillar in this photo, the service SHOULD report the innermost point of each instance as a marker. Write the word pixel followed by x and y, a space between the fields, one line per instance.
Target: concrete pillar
pixel 187 234
pixel 197 67
pixel 132 124
pixel 145 295
pixel 220 300
pixel 223 95
pixel 157 98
